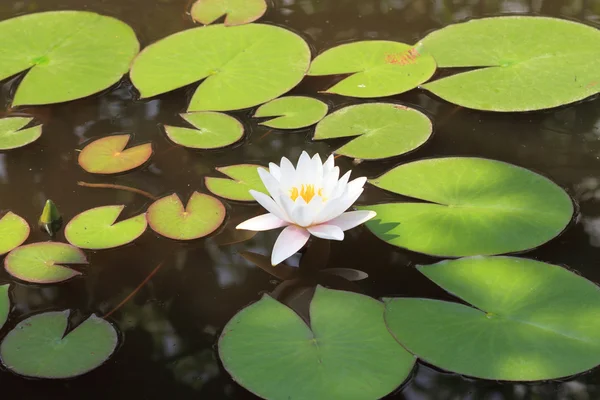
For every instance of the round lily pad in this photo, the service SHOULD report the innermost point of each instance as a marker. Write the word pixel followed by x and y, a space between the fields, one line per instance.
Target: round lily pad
pixel 381 130
pixel 14 230
pixel 376 67
pixel 345 353
pixel 108 155
pixel 39 348
pixel 67 54
pixel 202 216
pixel 213 130
pixel 242 66
pixel 44 262
pixel 12 134
pixel 473 206
pixel 4 304
pixel 524 63
pixel 96 228
pixel 244 177
pixel 292 112
pixel 237 12
pixel 528 321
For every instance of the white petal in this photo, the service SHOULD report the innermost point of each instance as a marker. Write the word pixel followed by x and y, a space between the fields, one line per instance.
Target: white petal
pixel 305 214
pixel 287 204
pixel 352 219
pixel 329 232
pixel 288 173
pixel 356 184
pixel 270 205
pixel 303 169
pixel 317 167
pixel 340 188
pixel 329 182
pixel 289 242
pixel 270 182
pixel 336 207
pixel 263 222
pixel 275 171
pixel 329 164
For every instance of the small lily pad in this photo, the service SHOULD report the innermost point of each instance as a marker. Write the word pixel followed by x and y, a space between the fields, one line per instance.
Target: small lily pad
pixel 44 262
pixel 237 12
pixel 67 54
pixel 522 63
pixel 12 134
pixel 242 66
pixel 14 230
pixel 38 347
pixel 213 130
pixel 473 206
pixel 346 352
pixel 244 177
pixel 96 229
pixel 529 320
pixel 202 216
pixel 382 130
pixel 292 112
pixel 4 304
pixel 108 155
pixel 377 68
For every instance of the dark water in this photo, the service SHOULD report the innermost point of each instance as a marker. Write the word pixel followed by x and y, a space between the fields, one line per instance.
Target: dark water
pixel 170 327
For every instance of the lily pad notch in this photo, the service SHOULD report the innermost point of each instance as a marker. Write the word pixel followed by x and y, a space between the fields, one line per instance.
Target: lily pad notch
pixel 12 134
pixel 292 112
pixel 213 130
pixel 244 177
pixel 108 155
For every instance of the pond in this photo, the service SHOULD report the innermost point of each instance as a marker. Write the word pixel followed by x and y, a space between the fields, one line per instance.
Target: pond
pixel 170 300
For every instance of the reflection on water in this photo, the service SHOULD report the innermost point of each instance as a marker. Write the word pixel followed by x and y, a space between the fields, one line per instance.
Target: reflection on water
pixel 171 325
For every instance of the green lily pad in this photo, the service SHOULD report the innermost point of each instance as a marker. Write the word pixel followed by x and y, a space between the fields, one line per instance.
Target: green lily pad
pixel 12 134
pixel 44 262
pixel 39 348
pixel 242 66
pixel 213 130
pixel 346 353
pixel 14 230
pixel 381 130
pixel 292 112
pixel 529 321
pixel 108 155
pixel 67 54
pixel 202 216
pixel 237 12
pixel 244 177
pixel 377 68
pixel 96 229
pixel 4 304
pixel 525 63
pixel 474 207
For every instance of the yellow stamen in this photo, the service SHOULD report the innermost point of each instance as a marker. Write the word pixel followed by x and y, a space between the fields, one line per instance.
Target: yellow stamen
pixel 307 192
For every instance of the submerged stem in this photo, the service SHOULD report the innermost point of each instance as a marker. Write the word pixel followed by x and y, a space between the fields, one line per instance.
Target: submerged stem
pixel 118 187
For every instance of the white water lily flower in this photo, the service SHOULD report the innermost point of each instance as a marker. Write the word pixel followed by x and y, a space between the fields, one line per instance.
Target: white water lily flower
pixel 308 200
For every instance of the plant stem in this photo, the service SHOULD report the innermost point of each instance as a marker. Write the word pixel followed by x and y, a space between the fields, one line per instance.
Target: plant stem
pixel 118 187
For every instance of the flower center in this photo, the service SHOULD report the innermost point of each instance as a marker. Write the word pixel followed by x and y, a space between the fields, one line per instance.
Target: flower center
pixel 307 192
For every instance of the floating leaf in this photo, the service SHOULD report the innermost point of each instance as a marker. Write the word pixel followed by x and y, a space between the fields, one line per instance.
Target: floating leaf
pixel 12 134
pixel 237 12
pixel 242 65
pixel 44 262
pixel 96 228
pixel 14 230
pixel 475 207
pixel 529 320
pixel 382 130
pixel 213 130
pixel 4 304
pixel 67 54
pixel 202 216
pixel 50 221
pixel 243 178
pixel 346 353
pixel 108 155
pixel 377 68
pixel 292 112
pixel 525 63
pixel 39 348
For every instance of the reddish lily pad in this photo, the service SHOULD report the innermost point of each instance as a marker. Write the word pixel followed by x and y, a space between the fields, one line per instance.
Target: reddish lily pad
pixel 237 12
pixel 14 230
pixel 44 262
pixel 202 216
pixel 108 155
pixel 243 178
pixel 96 229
